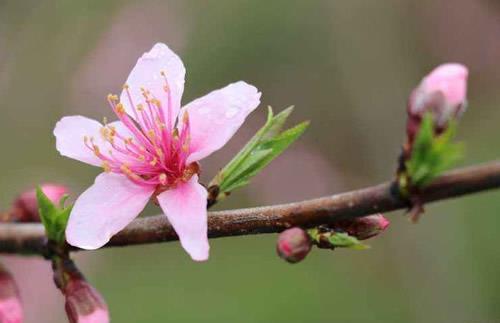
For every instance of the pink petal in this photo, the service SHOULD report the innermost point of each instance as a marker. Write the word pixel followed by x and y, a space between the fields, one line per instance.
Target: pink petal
pixel 147 74
pixel 70 133
pixel 215 117
pixel 450 79
pixel 186 209
pixel 11 310
pixel 104 209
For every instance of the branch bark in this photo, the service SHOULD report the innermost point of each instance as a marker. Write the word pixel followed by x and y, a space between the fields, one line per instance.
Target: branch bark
pixel 30 238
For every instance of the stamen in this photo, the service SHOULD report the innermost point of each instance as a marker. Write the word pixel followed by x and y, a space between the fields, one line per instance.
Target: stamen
pixel 120 109
pixel 106 166
pixel 163 179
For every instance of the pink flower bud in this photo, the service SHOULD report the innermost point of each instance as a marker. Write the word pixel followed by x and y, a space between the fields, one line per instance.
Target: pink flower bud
pixel 442 92
pixel 364 227
pixel 25 207
pixel 11 310
pixel 293 245
pixel 84 304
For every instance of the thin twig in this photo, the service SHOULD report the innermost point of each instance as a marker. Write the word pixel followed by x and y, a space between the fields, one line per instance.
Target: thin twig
pixel 30 238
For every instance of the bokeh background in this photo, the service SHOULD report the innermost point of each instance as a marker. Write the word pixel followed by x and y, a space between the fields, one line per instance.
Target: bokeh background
pixel 348 66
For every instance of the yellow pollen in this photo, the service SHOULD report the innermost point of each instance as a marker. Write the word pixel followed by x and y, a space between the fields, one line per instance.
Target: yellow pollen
pixel 129 140
pixel 151 134
pixel 153 162
pixel 112 97
pixel 140 107
pixel 156 102
pixel 142 157
pixel 159 152
pixel 106 166
pixel 125 86
pixel 104 120
pixel 120 109
pixel 161 124
pixel 163 178
pixel 175 133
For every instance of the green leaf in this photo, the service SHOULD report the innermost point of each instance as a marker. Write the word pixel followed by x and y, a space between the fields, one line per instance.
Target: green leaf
pixel 344 240
pixel 54 219
pixel 46 209
pixel 268 143
pixel 432 154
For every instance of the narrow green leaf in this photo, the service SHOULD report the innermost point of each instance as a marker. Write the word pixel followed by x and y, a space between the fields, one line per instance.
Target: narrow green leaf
pixel 344 240
pixel 261 149
pixel 61 223
pixel 263 154
pixel 47 211
pixel 432 154
pixel 54 219
pixel 244 152
pixel 277 123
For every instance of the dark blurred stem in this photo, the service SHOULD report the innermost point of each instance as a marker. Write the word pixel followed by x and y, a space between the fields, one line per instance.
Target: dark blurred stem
pixel 30 238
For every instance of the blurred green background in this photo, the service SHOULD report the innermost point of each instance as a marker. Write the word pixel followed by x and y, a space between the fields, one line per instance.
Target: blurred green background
pixel 348 66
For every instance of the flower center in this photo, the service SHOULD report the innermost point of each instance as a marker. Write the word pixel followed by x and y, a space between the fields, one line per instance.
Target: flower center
pixel 146 147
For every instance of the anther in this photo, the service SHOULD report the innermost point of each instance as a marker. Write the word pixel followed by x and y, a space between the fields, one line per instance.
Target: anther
pixel 120 109
pixel 106 166
pixel 163 179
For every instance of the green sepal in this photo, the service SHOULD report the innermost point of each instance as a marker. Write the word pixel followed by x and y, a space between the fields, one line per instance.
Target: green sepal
pixel 432 154
pixel 336 240
pixel 268 143
pixel 344 240
pixel 54 218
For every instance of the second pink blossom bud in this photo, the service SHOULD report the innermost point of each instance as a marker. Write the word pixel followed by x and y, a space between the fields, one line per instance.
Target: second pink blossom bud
pixel 25 208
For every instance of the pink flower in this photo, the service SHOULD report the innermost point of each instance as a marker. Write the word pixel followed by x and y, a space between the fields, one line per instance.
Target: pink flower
pixel 11 310
pixel 25 208
pixel 442 92
pixel 151 152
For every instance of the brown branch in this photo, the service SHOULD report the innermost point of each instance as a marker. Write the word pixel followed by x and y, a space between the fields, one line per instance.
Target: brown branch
pixel 30 238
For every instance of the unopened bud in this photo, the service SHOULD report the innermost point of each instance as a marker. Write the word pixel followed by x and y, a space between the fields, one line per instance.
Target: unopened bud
pixel 11 310
pixel 25 208
pixel 365 227
pixel 84 304
pixel 442 92
pixel 293 245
